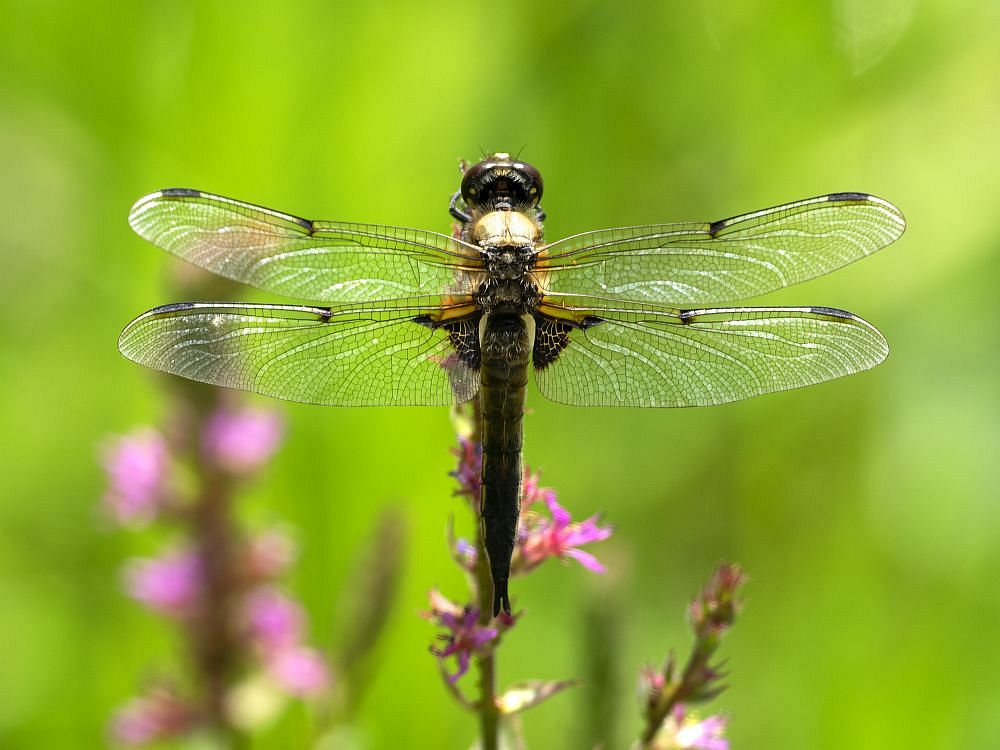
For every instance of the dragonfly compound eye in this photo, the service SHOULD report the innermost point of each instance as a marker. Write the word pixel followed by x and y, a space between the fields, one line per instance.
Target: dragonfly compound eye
pixel 499 182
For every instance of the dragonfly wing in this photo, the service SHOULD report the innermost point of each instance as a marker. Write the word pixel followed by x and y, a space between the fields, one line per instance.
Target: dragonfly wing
pixel 323 261
pixel 721 261
pixel 660 357
pixel 347 355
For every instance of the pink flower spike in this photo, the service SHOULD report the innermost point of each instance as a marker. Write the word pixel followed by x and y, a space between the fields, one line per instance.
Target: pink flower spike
pixel 169 585
pixel 299 670
pixel 138 467
pixel 241 441
pixel 275 621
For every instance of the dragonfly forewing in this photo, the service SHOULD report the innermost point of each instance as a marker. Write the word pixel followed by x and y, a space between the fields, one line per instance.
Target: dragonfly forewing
pixel 719 262
pixel 319 261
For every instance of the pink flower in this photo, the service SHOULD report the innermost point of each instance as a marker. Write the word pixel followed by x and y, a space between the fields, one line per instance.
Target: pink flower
pixel 466 636
pixel 152 717
pixel 532 492
pixel 470 464
pixel 542 538
pixel 269 554
pixel 276 624
pixel 137 466
pixel 169 584
pixel 275 621
pixel 240 441
pixel 299 670
pixel 465 553
pixel 651 684
pixel 707 734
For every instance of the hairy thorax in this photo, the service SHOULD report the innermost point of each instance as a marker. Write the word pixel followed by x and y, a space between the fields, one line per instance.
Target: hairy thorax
pixel 507 242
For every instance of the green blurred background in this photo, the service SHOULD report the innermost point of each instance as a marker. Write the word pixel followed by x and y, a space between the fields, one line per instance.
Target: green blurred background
pixel 865 509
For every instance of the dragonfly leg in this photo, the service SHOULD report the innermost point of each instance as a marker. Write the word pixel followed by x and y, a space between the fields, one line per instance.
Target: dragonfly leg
pixel 455 211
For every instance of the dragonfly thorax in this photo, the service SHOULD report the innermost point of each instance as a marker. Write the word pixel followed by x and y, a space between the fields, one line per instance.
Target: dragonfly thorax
pixel 504 229
pixel 516 296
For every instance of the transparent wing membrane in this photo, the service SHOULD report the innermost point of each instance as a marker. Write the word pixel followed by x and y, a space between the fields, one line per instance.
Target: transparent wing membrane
pixel 640 356
pixel 616 325
pixel 348 355
pixel 722 261
pixel 321 261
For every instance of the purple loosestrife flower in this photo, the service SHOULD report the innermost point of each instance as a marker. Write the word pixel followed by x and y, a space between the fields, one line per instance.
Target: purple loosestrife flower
pixel 682 731
pixel 138 469
pixel 470 465
pixel 269 554
pixel 240 441
pixel 542 538
pixel 465 636
pixel 465 554
pixel 274 620
pixel 299 670
pixel 156 716
pixel 532 492
pixel 276 625
pixel 169 585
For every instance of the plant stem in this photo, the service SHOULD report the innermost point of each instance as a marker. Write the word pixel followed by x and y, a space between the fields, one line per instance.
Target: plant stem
pixel 489 716
pixel 678 692
pixel 213 635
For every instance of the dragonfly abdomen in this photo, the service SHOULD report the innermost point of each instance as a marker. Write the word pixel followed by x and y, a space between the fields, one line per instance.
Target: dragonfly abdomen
pixel 505 343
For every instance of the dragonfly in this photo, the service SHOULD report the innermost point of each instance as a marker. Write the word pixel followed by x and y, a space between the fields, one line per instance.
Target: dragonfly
pixel 638 316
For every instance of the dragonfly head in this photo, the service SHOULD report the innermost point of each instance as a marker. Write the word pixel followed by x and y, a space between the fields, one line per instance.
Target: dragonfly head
pixel 499 183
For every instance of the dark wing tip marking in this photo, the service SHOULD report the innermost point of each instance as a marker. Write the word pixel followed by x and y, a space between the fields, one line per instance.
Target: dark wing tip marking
pixel 833 312
pixel 180 193
pixel 849 197
pixel 172 308
pixel 717 226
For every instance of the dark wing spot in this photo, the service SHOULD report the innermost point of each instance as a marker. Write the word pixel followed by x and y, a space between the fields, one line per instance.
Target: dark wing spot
pixel 180 193
pixel 832 312
pixel 848 196
pixel 689 316
pixel 304 223
pixel 173 307
pixel 717 226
